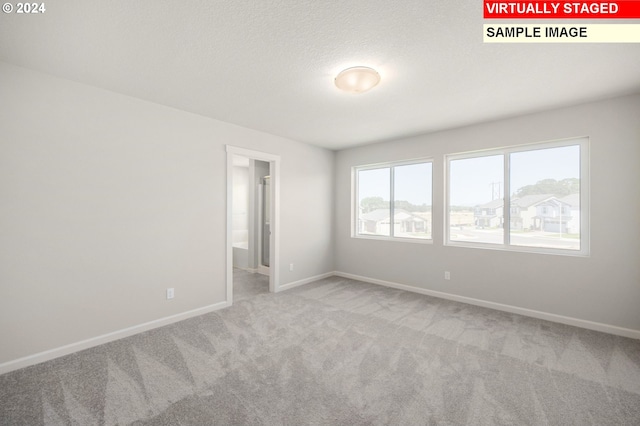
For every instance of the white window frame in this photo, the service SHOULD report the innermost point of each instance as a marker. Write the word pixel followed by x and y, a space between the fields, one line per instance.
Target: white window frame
pixel 355 203
pixel 582 142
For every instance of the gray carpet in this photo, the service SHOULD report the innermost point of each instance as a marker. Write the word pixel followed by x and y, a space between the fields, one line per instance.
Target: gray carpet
pixel 338 352
pixel 248 284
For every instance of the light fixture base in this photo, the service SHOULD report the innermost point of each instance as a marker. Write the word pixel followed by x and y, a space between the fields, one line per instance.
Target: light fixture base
pixel 357 79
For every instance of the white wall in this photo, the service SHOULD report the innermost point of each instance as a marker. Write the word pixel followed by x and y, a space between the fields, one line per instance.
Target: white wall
pixel 603 288
pixel 107 200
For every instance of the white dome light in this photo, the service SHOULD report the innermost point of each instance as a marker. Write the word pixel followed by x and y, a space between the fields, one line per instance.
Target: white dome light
pixel 357 79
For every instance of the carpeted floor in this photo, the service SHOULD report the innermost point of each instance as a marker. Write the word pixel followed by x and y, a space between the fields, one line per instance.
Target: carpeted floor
pixel 339 352
pixel 248 284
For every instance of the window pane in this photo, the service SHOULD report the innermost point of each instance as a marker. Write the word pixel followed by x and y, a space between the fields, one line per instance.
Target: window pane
pixel 374 191
pixel 545 200
pixel 476 199
pixel 412 201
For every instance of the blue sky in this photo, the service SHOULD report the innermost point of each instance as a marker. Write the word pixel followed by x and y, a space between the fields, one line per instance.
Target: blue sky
pixel 471 179
pixel 413 183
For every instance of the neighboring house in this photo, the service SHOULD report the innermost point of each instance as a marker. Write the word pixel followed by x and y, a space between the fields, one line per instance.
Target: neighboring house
pixel 543 212
pixel 489 215
pixel 573 200
pixel 378 222
pixel 524 211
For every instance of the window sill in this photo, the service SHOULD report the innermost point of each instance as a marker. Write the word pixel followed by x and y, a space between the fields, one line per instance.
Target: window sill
pixel 519 249
pixel 394 239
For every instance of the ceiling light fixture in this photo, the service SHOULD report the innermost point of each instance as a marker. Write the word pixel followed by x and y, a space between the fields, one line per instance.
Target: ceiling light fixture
pixel 357 79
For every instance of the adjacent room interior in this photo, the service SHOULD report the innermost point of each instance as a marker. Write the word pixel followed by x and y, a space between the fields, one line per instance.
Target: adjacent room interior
pixel 250 227
pixel 201 222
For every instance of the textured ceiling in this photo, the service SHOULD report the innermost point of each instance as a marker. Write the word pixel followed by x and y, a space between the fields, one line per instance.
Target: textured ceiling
pixel 269 64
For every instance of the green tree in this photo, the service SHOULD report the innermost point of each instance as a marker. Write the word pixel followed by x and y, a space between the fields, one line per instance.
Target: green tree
pixel 370 204
pixel 551 186
pixel 405 205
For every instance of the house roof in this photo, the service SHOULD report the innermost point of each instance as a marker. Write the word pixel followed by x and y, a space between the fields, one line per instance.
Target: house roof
pixel 376 215
pixel 492 204
pixel 572 199
pixel 534 200
pixel 531 200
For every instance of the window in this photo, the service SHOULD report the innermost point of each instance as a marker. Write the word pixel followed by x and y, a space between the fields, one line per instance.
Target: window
pixel 476 199
pixel 393 201
pixel 545 187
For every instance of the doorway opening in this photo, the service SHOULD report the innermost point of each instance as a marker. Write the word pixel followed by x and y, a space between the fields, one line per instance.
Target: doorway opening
pixel 252 222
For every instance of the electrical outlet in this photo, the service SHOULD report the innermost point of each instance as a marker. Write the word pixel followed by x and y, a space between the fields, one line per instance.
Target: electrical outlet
pixel 170 293
pixel 447 275
pixel 290 267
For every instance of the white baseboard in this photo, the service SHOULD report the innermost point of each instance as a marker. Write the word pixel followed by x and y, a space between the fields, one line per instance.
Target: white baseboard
pixel 129 331
pixel 591 325
pixel 105 338
pixel 304 281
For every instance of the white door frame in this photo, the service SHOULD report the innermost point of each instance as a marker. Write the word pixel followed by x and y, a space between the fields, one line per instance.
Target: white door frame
pixel 274 244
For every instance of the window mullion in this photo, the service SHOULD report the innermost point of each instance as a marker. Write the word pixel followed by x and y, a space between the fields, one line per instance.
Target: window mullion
pixel 391 203
pixel 355 219
pixel 507 200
